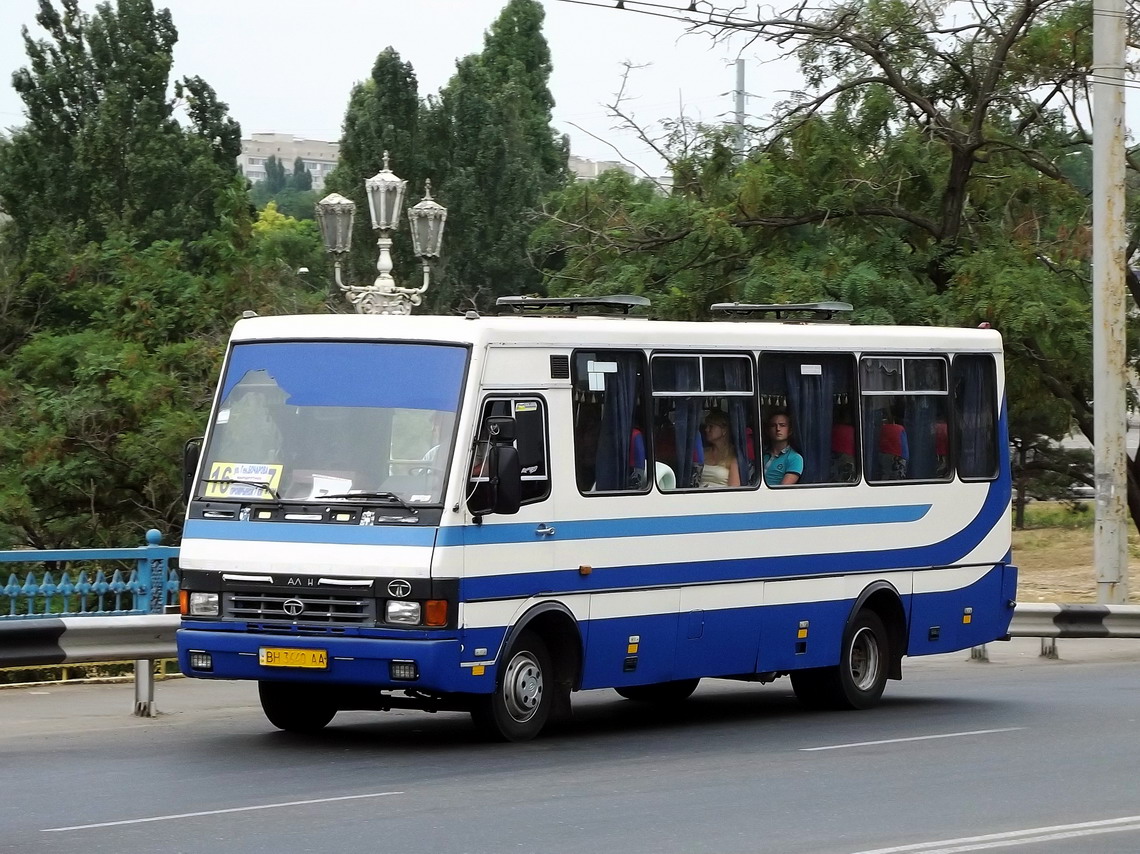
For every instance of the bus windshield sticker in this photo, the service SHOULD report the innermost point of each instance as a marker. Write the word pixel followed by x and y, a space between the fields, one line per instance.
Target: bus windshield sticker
pixel 223 480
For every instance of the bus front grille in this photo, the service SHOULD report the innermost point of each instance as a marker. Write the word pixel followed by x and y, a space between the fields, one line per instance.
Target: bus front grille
pixel 310 607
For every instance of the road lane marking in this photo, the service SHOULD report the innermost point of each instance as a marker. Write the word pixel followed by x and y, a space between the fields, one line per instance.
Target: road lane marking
pixel 217 812
pixel 1015 837
pixel 914 738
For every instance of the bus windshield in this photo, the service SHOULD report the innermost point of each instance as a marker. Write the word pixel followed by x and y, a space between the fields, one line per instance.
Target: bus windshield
pixel 316 420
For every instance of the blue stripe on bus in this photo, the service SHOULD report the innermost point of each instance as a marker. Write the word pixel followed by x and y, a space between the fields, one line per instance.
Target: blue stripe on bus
pixel 658 526
pixel 948 552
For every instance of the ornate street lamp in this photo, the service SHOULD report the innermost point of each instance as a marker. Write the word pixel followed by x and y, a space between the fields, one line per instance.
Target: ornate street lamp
pixel 385 196
pixel 335 215
pixel 426 220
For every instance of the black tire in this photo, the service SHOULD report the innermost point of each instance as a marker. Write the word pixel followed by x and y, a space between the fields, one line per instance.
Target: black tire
pixel 662 693
pixel 524 694
pixel 295 706
pixel 859 679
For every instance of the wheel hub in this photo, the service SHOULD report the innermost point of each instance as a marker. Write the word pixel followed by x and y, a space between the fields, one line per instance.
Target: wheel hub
pixel 865 660
pixel 522 687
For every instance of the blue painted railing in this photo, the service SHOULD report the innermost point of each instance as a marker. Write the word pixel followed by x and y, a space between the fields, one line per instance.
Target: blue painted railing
pixel 114 583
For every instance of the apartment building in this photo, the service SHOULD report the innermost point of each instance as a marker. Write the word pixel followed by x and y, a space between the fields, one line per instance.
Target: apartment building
pixel 320 157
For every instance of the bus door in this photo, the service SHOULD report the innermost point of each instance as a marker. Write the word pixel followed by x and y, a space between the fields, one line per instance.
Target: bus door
pixel 509 558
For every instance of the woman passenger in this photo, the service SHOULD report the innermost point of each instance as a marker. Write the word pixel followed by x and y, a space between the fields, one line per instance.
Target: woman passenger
pixel 721 468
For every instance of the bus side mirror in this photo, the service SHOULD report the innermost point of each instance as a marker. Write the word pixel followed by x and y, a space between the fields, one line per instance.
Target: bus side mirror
pixel 499 485
pixel 191 454
pixel 507 479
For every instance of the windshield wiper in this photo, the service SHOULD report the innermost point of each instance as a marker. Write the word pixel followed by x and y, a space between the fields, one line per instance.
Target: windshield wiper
pixel 258 484
pixel 387 496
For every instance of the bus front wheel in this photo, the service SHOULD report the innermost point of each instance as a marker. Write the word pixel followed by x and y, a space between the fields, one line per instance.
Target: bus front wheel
pixel 859 680
pixel 292 706
pixel 520 705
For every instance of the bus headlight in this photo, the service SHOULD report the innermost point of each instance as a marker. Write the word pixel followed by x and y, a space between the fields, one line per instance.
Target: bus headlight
pixel 203 604
pixel 406 613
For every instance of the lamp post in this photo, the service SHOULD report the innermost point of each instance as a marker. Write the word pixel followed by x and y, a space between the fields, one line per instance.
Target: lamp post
pixel 335 215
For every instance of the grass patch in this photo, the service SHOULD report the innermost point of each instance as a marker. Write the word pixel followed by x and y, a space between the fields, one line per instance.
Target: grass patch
pixel 1059 514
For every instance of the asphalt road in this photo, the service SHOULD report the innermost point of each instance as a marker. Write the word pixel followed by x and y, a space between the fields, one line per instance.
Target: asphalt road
pixel 1019 754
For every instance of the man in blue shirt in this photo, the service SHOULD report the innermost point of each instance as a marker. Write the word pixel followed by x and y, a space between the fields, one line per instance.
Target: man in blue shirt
pixel 782 465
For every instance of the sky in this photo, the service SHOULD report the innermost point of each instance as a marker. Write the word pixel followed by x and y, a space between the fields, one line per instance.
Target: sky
pixel 288 66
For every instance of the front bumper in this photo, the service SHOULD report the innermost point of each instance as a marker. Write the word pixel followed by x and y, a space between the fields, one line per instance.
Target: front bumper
pixel 351 660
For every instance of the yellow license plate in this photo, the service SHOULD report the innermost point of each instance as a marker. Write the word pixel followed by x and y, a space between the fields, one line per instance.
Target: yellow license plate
pixel 272 656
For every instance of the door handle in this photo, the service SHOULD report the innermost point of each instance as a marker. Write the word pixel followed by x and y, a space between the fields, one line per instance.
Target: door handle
pixel 544 530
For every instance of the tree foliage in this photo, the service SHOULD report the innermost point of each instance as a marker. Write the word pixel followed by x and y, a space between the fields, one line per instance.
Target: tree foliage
pixel 129 253
pixel 102 152
pixel 302 178
pixel 933 172
pixel 275 177
pixel 485 142
pixel 502 157
pixel 382 116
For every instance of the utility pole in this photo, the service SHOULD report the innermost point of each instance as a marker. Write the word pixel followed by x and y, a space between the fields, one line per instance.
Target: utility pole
pixel 738 94
pixel 1109 380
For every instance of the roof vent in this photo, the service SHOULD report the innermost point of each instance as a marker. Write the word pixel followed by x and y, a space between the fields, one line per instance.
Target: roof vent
pixel 824 312
pixel 572 306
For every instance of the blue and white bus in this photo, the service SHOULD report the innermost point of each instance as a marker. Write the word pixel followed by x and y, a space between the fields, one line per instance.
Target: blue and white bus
pixel 488 513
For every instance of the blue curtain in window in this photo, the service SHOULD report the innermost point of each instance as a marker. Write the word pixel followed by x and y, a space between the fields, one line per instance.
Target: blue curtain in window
pixel 811 399
pixel 683 374
pixel 736 378
pixel 918 420
pixel 872 418
pixel 975 415
pixel 613 470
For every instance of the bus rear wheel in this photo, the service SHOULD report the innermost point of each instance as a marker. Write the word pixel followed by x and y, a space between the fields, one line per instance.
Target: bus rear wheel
pixel 859 679
pixel 292 706
pixel 663 693
pixel 520 705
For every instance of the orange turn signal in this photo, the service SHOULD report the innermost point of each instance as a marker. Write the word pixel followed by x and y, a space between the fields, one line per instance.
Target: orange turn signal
pixel 435 612
pixel 183 602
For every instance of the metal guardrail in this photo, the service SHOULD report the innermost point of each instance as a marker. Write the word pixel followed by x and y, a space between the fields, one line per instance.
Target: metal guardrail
pixel 109 610
pixel 1033 620
pixel 116 582
pixel 144 638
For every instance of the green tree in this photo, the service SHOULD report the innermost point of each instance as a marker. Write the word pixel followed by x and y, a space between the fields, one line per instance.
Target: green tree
pixel 128 255
pixel 928 175
pixel 102 151
pixel 500 157
pixel 275 178
pixel 382 116
pixel 294 244
pixel 302 179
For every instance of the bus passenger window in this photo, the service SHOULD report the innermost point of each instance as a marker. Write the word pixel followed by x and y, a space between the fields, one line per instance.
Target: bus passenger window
pixel 610 447
pixel 905 410
pixel 704 421
pixel 975 421
pixel 816 391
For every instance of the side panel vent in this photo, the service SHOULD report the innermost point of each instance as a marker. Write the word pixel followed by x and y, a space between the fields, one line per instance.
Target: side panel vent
pixel 560 367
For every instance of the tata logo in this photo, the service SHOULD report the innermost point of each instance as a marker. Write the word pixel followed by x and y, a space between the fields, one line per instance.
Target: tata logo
pixel 399 588
pixel 293 607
